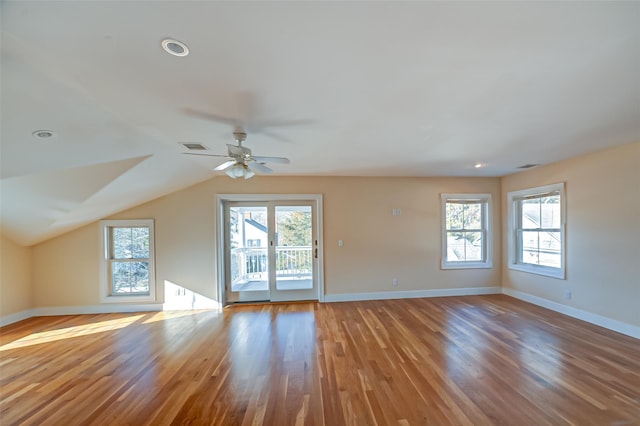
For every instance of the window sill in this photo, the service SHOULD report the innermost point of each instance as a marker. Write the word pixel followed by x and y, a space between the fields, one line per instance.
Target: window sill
pixel 127 299
pixel 557 273
pixel 466 265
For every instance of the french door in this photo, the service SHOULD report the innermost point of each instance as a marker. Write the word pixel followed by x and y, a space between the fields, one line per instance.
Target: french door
pixel 271 250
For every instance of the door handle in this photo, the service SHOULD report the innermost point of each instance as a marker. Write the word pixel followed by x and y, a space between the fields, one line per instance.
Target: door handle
pixel 316 253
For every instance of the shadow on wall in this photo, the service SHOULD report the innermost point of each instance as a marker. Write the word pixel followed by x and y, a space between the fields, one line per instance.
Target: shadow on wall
pixel 179 298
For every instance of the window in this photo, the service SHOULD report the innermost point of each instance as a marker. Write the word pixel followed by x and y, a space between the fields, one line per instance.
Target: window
pixel 127 261
pixel 253 243
pixel 466 231
pixel 536 230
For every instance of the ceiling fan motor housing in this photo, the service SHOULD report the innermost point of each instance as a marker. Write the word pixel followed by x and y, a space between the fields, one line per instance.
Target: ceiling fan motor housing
pixel 240 136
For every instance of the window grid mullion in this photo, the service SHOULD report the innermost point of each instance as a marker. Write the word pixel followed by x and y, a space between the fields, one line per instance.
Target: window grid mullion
pixel 130 259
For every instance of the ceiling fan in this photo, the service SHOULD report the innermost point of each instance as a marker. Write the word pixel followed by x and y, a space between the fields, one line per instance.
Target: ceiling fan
pixel 242 163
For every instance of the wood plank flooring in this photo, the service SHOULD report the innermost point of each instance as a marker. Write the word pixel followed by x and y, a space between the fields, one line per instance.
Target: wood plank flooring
pixel 476 360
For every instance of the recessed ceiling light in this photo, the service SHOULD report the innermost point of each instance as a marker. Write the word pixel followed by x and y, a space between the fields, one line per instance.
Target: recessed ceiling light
pixel 43 134
pixel 175 47
pixel 528 166
pixel 477 165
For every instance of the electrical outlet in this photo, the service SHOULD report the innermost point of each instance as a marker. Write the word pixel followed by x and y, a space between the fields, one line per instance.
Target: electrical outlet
pixel 567 295
pixel 394 282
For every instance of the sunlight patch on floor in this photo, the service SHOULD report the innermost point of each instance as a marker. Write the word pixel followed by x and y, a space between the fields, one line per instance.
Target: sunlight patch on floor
pixel 70 332
pixel 167 315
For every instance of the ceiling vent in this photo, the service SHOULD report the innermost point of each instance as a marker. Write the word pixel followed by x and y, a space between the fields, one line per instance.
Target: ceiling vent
pixel 194 146
pixel 528 166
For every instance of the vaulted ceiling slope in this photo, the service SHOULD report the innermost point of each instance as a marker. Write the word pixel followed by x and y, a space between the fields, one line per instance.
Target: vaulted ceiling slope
pixel 340 88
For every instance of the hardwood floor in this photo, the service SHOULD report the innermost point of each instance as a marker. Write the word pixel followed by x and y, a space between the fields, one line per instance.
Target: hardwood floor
pixel 460 360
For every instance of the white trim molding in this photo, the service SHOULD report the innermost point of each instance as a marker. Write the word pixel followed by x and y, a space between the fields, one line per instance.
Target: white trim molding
pixel 486 229
pixel 599 320
pixel 411 294
pixel 18 316
pixel 106 295
pixel 111 308
pixel 221 199
pixel 514 242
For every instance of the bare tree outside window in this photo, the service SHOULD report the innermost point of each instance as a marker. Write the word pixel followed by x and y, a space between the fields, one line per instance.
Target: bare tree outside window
pixel 129 260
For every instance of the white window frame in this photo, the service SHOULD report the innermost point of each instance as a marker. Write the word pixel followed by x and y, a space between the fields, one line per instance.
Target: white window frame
pixel 106 295
pixel 514 247
pixel 487 230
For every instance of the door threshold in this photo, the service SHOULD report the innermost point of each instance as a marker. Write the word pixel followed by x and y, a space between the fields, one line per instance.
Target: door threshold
pixel 269 302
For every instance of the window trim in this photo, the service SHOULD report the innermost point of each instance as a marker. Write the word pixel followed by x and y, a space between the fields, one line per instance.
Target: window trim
pixel 487 212
pixel 106 295
pixel 514 197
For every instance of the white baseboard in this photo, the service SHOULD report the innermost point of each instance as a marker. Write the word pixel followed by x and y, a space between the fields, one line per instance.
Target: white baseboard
pixel 78 310
pixel 18 316
pixel 411 294
pixel 611 324
pixel 107 308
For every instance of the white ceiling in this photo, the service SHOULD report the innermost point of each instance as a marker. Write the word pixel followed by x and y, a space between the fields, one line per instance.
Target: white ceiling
pixel 357 88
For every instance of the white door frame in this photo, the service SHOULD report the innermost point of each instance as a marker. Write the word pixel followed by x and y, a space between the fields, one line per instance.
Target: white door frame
pixel 220 227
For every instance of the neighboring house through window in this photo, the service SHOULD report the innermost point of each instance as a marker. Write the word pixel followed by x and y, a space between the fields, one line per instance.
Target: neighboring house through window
pixel 536 230
pixel 466 231
pixel 254 243
pixel 127 261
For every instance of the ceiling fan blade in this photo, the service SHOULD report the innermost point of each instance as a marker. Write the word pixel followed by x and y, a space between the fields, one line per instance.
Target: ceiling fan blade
pixel 275 135
pixel 225 165
pixel 235 150
pixel 258 167
pixel 274 160
pixel 211 117
pixel 205 155
pixel 262 124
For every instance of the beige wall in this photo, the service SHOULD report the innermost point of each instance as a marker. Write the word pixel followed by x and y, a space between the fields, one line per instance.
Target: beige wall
pixel 603 230
pixel 66 269
pixel 377 245
pixel 16 293
pixel 602 233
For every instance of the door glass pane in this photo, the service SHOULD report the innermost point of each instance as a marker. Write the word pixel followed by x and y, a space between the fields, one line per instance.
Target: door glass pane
pixel 248 238
pixel 294 248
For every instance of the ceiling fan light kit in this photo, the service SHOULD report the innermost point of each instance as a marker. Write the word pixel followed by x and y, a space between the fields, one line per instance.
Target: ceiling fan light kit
pixel 239 170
